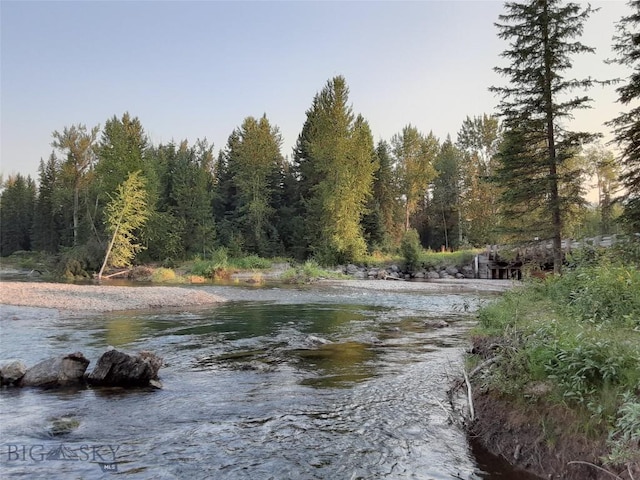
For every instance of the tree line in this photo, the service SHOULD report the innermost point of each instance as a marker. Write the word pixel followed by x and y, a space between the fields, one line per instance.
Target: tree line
pixel 511 177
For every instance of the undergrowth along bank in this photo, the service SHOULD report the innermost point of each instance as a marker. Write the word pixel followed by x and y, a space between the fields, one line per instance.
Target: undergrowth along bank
pixel 572 342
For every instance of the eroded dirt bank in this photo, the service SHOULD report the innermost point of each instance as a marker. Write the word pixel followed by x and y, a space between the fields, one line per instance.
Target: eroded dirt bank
pixel 547 440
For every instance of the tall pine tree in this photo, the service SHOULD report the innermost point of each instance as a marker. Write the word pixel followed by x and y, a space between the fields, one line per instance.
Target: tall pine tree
pixel 535 105
pixel 627 125
pixel 335 161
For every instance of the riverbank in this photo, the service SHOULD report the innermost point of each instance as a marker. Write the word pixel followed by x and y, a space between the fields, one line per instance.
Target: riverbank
pixel 554 373
pixel 104 298
pixel 101 298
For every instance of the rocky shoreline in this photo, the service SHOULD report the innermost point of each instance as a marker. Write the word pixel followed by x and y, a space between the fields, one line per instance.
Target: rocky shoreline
pixel 101 298
pixel 105 298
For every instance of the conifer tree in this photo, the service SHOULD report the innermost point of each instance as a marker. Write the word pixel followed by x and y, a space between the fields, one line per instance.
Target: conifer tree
pixel 48 219
pixel 254 164
pixel 334 157
pixel 627 125
pixel 17 202
pixel 535 105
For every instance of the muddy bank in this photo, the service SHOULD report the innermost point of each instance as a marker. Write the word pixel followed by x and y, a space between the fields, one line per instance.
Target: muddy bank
pixel 548 440
pixel 101 298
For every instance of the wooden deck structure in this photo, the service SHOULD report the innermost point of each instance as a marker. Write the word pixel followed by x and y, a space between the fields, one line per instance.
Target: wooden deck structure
pixel 507 262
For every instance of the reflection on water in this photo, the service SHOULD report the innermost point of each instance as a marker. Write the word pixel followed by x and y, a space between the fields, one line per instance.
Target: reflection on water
pixel 304 383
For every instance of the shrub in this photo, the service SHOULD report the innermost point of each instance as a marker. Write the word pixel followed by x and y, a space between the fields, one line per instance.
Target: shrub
pixel 411 249
pixel 164 275
pixel 308 272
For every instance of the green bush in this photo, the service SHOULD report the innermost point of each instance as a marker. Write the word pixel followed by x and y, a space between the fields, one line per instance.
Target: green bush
pixel 580 334
pixel 165 275
pixel 308 272
pixel 251 262
pixel 411 249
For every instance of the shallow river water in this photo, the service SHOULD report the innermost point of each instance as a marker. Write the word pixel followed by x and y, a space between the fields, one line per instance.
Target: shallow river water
pixel 278 383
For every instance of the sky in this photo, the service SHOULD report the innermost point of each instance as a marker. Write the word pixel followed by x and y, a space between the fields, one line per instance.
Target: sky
pixel 194 70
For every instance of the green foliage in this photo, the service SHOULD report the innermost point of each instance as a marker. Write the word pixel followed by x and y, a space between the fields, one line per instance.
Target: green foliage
pixel 252 179
pixel 414 155
pixel 478 139
pixel 602 294
pixel 165 275
pixel 627 124
pixel 17 203
pixel 215 267
pixel 126 213
pixel 335 161
pixel 77 262
pixel 251 262
pixel 536 170
pixel 77 144
pixel 411 249
pixel 310 271
pixel 624 438
pixel 580 333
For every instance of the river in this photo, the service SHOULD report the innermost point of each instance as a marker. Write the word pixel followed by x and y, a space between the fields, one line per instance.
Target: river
pixel 278 383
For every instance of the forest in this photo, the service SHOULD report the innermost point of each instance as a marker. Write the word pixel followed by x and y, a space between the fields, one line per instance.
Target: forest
pixel 512 177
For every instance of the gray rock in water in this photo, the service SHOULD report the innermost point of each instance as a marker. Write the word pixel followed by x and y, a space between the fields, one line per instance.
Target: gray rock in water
pixel 11 371
pixel 313 340
pixel 119 369
pixel 63 425
pixel 56 371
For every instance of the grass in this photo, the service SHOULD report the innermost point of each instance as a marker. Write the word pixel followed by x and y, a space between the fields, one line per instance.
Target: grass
pixel 309 272
pixel 579 333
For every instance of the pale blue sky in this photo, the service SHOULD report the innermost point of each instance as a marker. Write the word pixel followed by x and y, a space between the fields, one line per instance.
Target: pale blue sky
pixel 197 69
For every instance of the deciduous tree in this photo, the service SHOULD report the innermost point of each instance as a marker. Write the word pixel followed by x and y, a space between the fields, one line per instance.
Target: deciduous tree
pixel 414 155
pixel 126 213
pixel 78 145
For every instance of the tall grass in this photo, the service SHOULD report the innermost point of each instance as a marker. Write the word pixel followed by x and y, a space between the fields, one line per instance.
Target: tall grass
pixel 580 334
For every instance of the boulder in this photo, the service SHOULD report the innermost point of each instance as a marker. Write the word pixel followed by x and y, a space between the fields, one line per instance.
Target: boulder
pixel 11 371
pixel 431 275
pixel 56 371
pixel 119 369
pixel 467 271
pixel 452 271
pixel 351 269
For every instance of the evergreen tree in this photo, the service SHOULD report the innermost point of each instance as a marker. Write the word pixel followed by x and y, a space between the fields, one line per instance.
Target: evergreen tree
pixel 185 212
pixel 253 165
pixel 534 105
pixel 17 203
pixel 48 227
pixel 334 158
pixel 627 125
pixel 121 151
